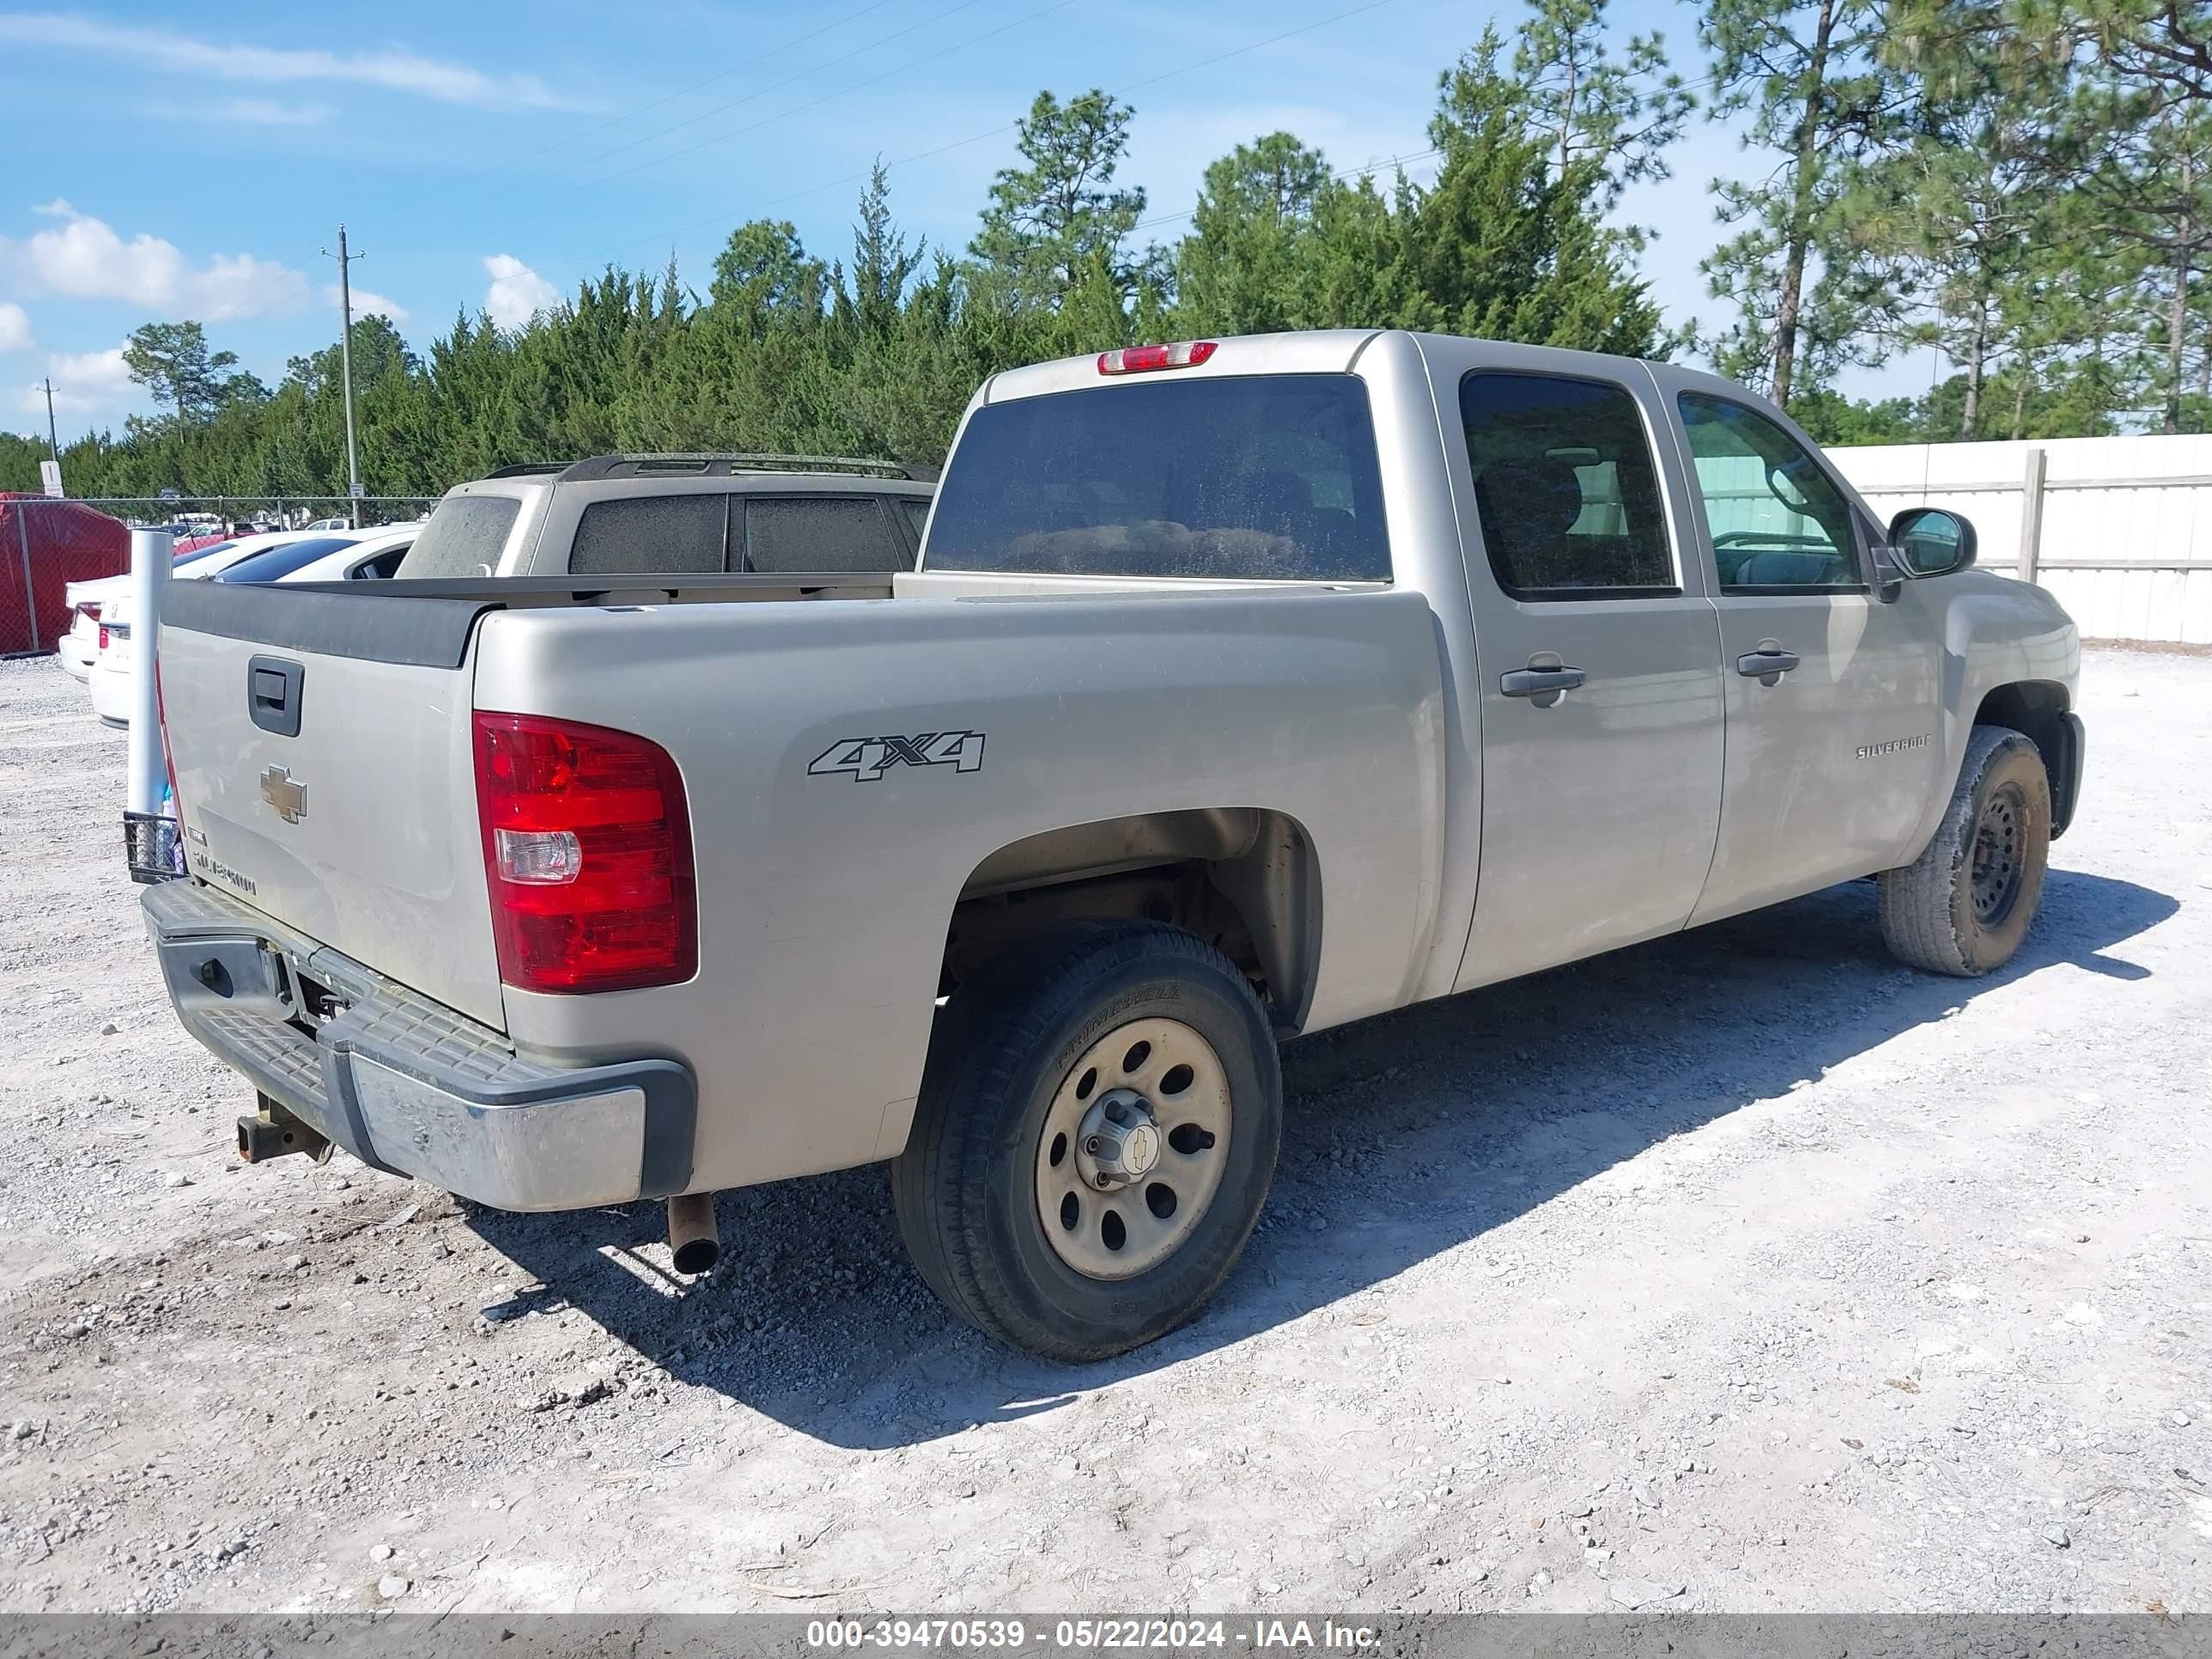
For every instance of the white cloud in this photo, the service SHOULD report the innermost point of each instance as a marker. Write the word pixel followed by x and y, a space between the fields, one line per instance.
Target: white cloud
pixel 517 293
pixel 84 381
pixel 392 70
pixel 15 328
pixel 84 258
pixel 367 302
pixel 260 113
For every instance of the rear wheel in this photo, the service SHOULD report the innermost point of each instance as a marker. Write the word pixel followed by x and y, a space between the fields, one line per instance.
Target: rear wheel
pixel 1965 905
pixel 1096 1136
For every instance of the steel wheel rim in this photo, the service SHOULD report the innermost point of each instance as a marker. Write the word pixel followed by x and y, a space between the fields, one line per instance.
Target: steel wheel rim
pixel 1998 864
pixel 1108 1212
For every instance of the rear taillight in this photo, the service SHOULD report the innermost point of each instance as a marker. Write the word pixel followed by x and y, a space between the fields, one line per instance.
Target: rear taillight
pixel 91 609
pixel 103 636
pixel 588 854
pixel 1136 360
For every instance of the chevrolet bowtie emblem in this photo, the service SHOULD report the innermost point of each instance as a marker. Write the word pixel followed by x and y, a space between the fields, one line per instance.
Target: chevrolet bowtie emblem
pixel 285 793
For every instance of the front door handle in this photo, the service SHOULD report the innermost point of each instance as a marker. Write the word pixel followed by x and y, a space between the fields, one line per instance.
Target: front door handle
pixel 1541 686
pixel 1768 663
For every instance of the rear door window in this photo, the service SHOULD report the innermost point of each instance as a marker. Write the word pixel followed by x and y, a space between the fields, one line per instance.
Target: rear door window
pixel 821 533
pixel 1565 487
pixel 465 537
pixel 1265 477
pixel 651 535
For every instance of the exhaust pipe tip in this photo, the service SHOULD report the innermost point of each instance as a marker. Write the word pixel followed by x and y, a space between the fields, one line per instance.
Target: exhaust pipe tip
pixel 694 1242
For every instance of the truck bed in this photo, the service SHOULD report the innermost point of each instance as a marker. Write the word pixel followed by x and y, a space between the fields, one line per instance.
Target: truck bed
pixel 848 768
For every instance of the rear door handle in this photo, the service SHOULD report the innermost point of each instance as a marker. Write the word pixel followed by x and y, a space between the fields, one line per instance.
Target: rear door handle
pixel 1543 685
pixel 1767 664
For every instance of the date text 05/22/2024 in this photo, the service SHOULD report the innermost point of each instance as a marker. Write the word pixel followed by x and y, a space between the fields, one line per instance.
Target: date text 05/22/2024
pixel 1088 1635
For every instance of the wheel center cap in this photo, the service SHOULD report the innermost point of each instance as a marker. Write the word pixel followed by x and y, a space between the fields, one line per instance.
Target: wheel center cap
pixel 1119 1141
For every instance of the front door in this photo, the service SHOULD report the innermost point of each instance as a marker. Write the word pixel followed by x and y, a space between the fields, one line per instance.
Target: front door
pixel 1833 737
pixel 1600 692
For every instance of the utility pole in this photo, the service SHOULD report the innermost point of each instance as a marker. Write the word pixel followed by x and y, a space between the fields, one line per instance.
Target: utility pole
pixel 345 366
pixel 53 444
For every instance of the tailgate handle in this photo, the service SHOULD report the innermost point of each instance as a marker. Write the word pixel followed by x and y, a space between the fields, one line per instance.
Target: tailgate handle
pixel 272 694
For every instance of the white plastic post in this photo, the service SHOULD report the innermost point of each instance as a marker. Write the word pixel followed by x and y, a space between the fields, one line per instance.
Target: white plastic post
pixel 151 555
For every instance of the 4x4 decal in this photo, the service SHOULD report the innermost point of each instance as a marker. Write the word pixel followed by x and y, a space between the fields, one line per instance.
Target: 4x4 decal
pixel 867 759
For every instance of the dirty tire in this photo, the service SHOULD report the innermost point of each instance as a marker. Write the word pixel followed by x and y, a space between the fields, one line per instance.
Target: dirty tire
pixel 1965 905
pixel 965 1190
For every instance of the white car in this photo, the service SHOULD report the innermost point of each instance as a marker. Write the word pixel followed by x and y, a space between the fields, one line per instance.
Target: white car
pixel 101 609
pixel 89 601
pixel 369 556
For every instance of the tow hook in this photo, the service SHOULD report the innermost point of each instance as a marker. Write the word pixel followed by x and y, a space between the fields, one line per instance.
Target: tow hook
pixel 273 1132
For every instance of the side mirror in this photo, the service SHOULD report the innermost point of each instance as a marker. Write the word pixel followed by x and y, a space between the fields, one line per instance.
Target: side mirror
pixel 1931 541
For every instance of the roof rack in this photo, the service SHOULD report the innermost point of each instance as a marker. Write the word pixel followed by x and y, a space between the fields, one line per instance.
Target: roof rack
pixel 524 469
pixel 724 465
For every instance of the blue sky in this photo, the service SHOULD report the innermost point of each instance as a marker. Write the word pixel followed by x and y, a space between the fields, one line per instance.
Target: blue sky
pixel 195 162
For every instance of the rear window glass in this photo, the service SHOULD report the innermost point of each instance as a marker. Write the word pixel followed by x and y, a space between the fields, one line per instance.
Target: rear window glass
pixel 821 533
pixel 639 535
pixel 1273 478
pixel 917 514
pixel 199 553
pixel 463 537
pixel 283 559
pixel 1565 487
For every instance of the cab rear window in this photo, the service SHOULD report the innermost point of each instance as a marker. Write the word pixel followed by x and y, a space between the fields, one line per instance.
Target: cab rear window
pixel 1270 477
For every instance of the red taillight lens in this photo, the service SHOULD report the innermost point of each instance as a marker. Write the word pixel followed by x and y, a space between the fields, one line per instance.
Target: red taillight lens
pixel 103 636
pixel 588 854
pixel 1136 360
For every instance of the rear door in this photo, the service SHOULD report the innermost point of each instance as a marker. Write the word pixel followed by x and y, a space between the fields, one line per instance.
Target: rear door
pixel 1600 694
pixel 323 749
pixel 1833 737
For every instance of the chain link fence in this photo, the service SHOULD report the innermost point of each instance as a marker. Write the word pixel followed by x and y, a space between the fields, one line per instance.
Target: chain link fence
pixel 262 512
pixel 44 546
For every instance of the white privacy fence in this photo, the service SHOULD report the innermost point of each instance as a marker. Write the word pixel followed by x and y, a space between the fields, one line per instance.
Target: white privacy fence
pixel 2119 529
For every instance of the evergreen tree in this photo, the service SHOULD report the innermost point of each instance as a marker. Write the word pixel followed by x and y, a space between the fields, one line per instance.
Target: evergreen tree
pixel 1049 222
pixel 1806 72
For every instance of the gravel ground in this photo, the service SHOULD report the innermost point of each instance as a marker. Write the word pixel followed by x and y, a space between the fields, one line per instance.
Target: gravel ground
pixel 1742 1271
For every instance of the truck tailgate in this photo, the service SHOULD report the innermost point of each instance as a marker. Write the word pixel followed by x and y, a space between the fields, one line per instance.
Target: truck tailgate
pixel 322 743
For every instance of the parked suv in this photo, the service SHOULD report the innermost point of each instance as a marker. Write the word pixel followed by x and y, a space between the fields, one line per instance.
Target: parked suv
pixel 676 515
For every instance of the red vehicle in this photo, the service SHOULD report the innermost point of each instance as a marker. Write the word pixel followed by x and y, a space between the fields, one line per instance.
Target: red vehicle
pixel 44 546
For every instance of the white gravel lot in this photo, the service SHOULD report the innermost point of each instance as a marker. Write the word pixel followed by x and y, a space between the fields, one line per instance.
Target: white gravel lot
pixel 1743 1271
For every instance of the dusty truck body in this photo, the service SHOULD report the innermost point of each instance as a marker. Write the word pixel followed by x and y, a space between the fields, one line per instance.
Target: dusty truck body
pixel 1246 690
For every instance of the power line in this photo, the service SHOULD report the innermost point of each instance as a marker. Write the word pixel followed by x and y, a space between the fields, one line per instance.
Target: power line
pixel 243 304
pixel 844 92
pixel 281 275
pixel 1009 127
pixel 682 92
pixel 793 79
pixel 1341 173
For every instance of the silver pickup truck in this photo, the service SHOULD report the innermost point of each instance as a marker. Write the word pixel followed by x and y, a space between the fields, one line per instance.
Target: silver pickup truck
pixel 1248 688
